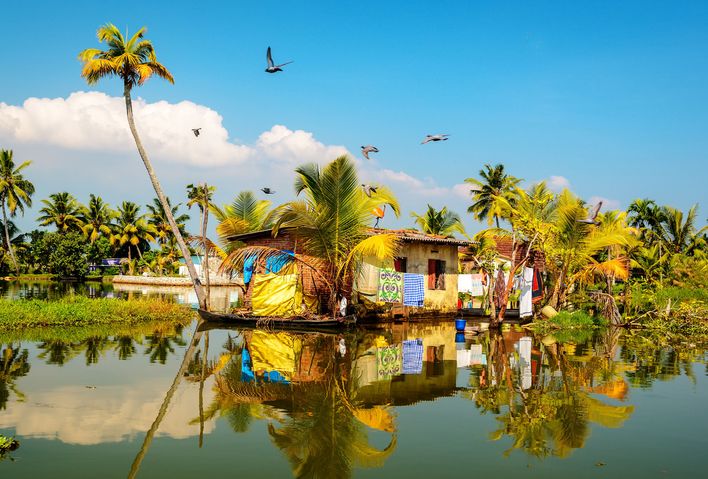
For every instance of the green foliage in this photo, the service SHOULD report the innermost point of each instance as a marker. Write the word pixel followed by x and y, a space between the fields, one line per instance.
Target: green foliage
pixel 439 222
pixel 7 444
pixel 67 258
pixel 99 250
pixel 63 212
pixel 81 311
pixel 567 321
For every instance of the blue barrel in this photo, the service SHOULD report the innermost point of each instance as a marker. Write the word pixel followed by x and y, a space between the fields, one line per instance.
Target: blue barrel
pixel 460 324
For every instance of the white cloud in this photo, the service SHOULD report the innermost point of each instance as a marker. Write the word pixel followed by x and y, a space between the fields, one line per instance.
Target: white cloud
pixel 557 183
pixel 93 121
pixel 464 190
pixel 607 204
pixel 426 187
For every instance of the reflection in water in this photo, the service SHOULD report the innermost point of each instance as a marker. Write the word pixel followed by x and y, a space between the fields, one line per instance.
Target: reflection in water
pixel 541 393
pixel 328 403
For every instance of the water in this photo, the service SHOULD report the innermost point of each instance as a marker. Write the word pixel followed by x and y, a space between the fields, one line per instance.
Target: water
pixel 314 405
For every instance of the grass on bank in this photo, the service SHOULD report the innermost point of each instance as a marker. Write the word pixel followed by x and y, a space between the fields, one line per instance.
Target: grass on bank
pixel 81 311
pixel 566 321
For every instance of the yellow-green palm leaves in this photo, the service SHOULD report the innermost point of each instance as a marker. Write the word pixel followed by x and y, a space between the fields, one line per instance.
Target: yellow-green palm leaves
pixel 491 193
pixel 133 60
pixel 133 231
pixel 15 193
pixel 244 215
pixel 98 219
pixel 63 211
pixel 439 222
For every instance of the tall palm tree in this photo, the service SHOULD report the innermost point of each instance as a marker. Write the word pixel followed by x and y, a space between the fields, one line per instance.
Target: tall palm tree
pixel 495 184
pixel 158 217
pixel 63 211
pixel 15 193
pixel 132 230
pixel 201 196
pixel 134 62
pixel 331 224
pixel 439 222
pixel 98 219
pixel 677 232
pixel 245 214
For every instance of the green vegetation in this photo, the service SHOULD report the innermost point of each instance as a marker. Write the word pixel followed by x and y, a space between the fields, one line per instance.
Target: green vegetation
pixel 566 320
pixel 7 444
pixel 81 311
pixel 439 222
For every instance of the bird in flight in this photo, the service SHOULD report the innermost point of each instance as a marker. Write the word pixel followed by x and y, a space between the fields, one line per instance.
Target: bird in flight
pixel 267 191
pixel 196 131
pixel 378 213
pixel 368 189
pixel 365 150
pixel 592 220
pixel 272 67
pixel 429 138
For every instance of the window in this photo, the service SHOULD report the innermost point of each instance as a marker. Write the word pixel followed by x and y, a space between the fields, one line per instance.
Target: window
pixel 436 274
pixel 400 265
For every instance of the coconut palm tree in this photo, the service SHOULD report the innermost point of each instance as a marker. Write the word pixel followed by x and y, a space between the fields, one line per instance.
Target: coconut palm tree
pixel 133 60
pixel 98 219
pixel 14 363
pixel 676 232
pixel 201 196
pixel 158 217
pixel 132 229
pixel 15 193
pixel 18 241
pixel 331 224
pixel 439 222
pixel 245 214
pixel 495 184
pixel 63 211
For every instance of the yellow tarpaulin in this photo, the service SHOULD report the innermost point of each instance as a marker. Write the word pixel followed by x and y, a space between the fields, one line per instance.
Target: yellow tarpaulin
pixel 276 294
pixel 274 352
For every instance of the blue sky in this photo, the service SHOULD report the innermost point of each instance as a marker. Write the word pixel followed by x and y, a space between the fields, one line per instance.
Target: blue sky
pixel 610 96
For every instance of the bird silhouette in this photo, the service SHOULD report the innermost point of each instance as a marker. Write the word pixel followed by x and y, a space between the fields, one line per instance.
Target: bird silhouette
pixel 368 189
pixel 267 191
pixel 272 67
pixel 429 138
pixel 592 220
pixel 365 150
pixel 196 131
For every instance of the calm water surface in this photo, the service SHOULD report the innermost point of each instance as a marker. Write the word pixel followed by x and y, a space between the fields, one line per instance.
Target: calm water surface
pixel 414 400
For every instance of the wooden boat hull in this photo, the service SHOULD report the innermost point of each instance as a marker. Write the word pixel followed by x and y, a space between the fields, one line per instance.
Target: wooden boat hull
pixel 329 324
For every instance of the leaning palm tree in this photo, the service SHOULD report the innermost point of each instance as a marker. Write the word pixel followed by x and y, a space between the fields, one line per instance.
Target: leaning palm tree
pixel 439 222
pixel 158 217
pixel 245 214
pixel 98 219
pixel 134 62
pixel 331 224
pixel 15 193
pixel 201 196
pixel 132 229
pixel 63 211
pixel 495 184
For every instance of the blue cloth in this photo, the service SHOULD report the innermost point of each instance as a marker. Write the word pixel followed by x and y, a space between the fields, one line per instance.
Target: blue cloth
pixel 413 289
pixel 275 263
pixel 247 374
pixel 413 356
pixel 248 265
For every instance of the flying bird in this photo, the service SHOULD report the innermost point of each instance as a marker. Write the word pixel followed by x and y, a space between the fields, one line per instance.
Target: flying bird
pixel 267 191
pixel 429 138
pixel 272 67
pixel 592 220
pixel 196 131
pixel 368 189
pixel 365 150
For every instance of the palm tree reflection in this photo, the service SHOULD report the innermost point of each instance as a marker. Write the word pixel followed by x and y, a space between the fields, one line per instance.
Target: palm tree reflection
pixel 309 403
pixel 14 363
pixel 553 416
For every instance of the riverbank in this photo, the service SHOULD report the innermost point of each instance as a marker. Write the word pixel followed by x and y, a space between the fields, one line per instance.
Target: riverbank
pixel 81 311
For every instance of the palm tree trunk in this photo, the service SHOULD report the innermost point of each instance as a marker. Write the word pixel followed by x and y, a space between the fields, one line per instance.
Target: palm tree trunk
pixel 201 297
pixel 205 267
pixel 7 238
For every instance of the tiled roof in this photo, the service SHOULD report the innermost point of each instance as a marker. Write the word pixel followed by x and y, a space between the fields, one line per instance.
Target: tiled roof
pixel 414 236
